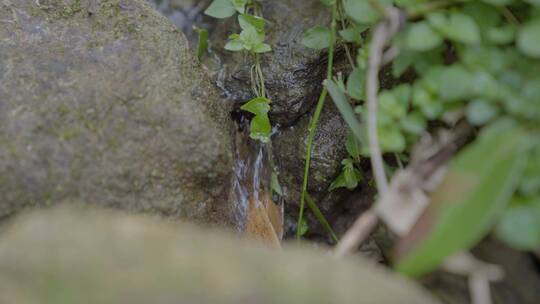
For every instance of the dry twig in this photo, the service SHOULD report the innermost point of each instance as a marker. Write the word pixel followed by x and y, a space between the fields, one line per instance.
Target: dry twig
pixel 384 31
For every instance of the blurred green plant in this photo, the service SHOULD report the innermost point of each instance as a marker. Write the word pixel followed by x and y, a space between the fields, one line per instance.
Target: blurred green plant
pixel 474 61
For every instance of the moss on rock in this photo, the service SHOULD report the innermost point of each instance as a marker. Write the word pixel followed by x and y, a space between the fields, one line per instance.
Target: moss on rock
pixel 102 101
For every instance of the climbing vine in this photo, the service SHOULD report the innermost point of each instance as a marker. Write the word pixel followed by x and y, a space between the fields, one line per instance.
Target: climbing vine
pixel 250 40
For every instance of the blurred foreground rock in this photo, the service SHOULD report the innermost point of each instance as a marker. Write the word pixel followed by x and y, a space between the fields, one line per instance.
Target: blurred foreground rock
pixel 66 256
pixel 101 100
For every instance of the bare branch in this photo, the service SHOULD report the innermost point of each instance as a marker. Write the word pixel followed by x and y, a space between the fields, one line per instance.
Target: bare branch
pixel 359 231
pixel 382 34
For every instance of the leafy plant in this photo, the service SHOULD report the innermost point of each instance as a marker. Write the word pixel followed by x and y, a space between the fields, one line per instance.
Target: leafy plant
pixel 260 127
pixel 251 40
pixel 478 185
pixel 202 43
pixel 474 61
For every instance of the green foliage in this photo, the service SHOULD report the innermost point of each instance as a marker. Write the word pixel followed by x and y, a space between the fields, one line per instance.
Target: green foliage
pixel 202 44
pixel 479 183
pixel 340 100
pixel 474 60
pixel 455 26
pixel 348 178
pixel 250 39
pixel 275 185
pixel 320 217
pixel 362 11
pixel 520 224
pixel 221 9
pixel 318 37
pixel 260 127
pixel 303 227
pixel 528 41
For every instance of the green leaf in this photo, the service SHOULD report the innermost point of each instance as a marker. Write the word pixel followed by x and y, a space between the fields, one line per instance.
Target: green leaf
pixel 501 35
pixel 480 112
pixel 348 178
pixel 251 38
pixel 421 37
pixel 344 107
pixel 262 48
pixel 257 106
pixel 356 84
pixel 274 184
pixel 234 45
pixel 395 103
pixel 353 146
pixel 327 2
pixel 454 83
pixel 361 11
pixel 353 33
pixel 486 16
pixel 246 21
pixel 320 217
pixel 422 98
pixel 457 26
pixel 414 123
pixel 498 2
pixel 240 5
pixel 530 182
pixel 520 226
pixel 528 40
pixel 221 9
pixel 318 37
pixel 391 139
pixel 402 62
pixel 260 127
pixel 303 228
pixel 477 186
pixel 202 43
pixel 352 176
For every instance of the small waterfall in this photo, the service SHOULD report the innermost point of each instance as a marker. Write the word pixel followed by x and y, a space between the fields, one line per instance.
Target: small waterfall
pixel 252 183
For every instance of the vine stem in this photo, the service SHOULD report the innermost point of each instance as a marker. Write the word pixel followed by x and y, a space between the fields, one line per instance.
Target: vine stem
pixel 260 76
pixel 315 119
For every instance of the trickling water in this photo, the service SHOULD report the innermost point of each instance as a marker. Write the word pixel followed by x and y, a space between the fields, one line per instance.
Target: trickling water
pixel 254 211
pixel 252 171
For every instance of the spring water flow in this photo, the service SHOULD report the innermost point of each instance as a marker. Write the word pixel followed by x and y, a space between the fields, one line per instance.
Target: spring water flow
pixel 252 177
pixel 253 165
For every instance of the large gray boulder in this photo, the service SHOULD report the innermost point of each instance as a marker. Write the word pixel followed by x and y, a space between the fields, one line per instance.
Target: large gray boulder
pixel 101 100
pixel 68 257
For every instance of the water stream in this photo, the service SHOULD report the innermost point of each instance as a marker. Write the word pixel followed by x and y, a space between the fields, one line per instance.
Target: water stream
pixel 252 173
pixel 251 188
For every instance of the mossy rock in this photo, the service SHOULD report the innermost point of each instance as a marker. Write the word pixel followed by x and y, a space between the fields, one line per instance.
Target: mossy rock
pixel 102 101
pixel 71 256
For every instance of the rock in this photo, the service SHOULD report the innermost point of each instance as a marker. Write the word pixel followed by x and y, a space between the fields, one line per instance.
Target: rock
pixel 62 256
pixel 328 151
pixel 293 73
pixel 102 101
pixel 185 14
